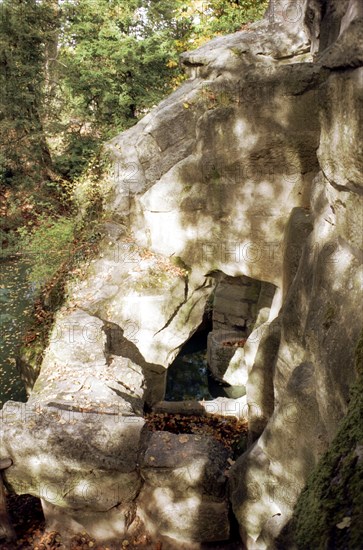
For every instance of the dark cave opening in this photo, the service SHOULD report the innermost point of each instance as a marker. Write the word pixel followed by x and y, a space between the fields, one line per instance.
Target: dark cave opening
pixel 204 369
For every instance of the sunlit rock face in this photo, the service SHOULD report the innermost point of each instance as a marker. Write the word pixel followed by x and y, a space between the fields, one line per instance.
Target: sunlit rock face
pixel 252 168
pixel 185 489
pixel 304 386
pixel 226 204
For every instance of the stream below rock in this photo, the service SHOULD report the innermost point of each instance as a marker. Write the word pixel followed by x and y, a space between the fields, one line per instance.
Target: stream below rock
pixel 16 300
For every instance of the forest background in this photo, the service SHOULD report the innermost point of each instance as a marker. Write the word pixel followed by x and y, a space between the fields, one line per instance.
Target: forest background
pixel 75 73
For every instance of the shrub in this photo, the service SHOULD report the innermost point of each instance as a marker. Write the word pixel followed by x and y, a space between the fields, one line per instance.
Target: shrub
pixel 49 245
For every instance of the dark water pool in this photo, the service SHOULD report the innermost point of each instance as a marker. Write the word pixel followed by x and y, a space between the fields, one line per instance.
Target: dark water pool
pixel 189 378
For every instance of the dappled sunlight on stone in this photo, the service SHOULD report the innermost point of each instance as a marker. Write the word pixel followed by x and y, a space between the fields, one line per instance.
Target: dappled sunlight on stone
pixel 243 220
pixel 105 527
pixel 183 519
pixel 242 128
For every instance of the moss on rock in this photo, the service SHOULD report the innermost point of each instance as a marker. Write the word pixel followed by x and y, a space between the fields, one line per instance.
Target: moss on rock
pixel 50 299
pixel 328 514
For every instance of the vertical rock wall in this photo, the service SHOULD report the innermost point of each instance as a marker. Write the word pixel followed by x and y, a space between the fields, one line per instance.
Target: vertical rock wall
pixel 321 317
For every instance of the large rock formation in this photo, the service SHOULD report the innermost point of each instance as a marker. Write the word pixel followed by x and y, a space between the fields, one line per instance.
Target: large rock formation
pixel 252 168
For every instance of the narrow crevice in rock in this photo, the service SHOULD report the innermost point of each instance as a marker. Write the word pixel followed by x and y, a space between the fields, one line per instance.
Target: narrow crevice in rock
pixel 177 308
pixel 154 375
pixel 117 344
pixel 350 187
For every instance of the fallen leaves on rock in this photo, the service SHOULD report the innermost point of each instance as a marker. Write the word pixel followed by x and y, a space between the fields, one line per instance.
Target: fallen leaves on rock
pixel 234 343
pixel 27 518
pixel 228 430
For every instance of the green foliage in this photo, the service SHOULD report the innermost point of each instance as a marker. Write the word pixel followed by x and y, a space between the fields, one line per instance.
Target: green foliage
pixel 49 246
pixel 178 262
pixel 226 16
pixel 76 154
pixel 114 59
pixel 77 72
pixel 92 188
pixel 24 31
pixel 118 58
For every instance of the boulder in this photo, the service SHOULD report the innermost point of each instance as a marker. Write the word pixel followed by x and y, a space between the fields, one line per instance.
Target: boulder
pixel 77 460
pixel 185 520
pixel 235 152
pixel 184 496
pixel 222 349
